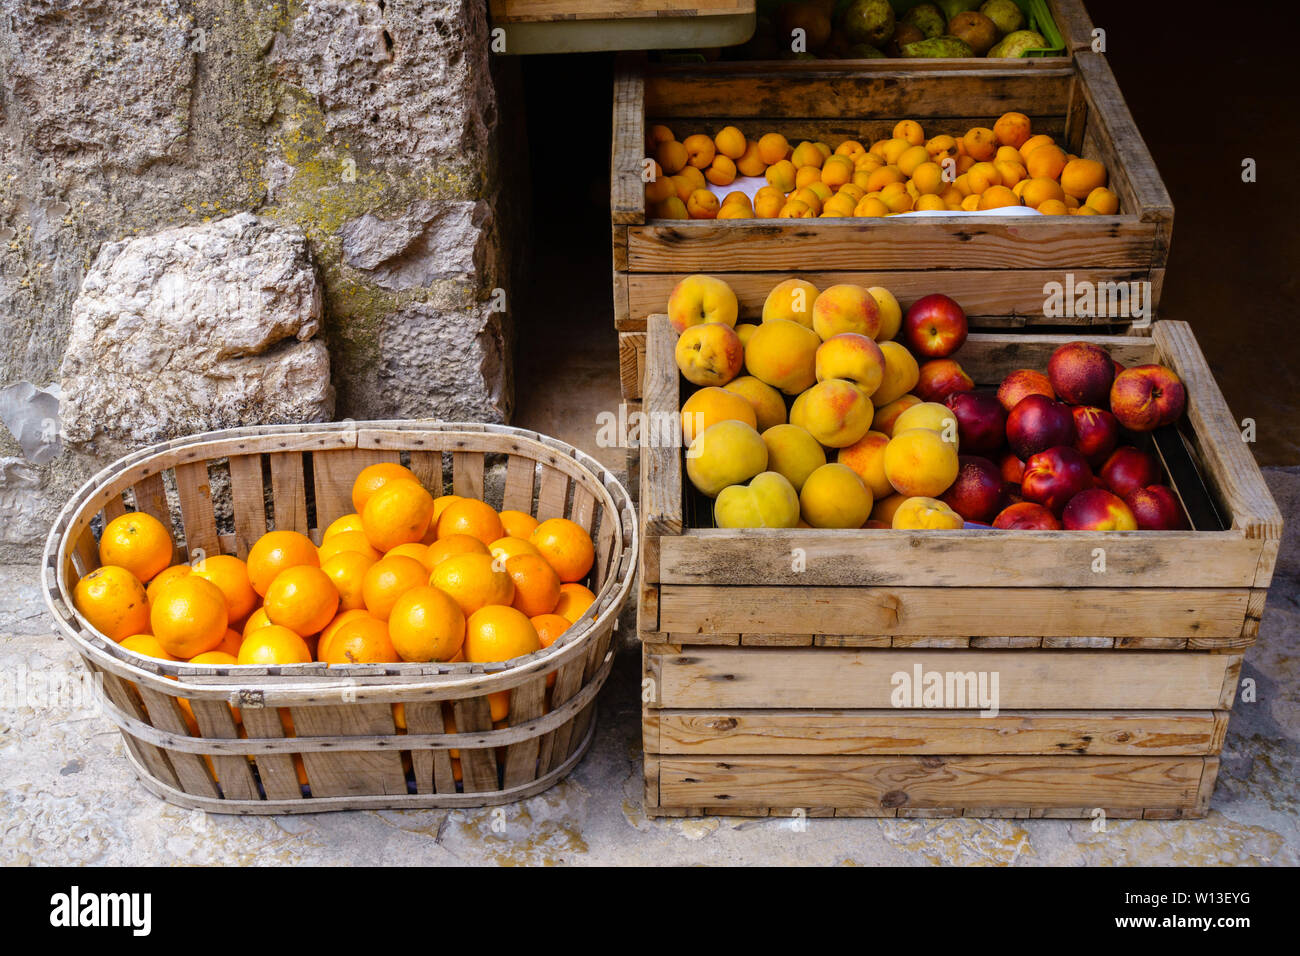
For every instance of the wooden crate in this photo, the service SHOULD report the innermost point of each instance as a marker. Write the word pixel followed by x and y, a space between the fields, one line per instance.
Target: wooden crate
pixel 996 267
pixel 771 652
pixel 310 737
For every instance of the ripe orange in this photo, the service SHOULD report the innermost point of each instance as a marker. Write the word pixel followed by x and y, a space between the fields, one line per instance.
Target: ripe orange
pixel 498 633
pixel 412 549
pixel 363 640
pixel 472 517
pixel 386 580
pixel 255 620
pixel 230 574
pixel 344 541
pixel 398 513
pixel 373 477
pixel 322 642
pixel 349 522
pixel 140 543
pixel 537 586
pixel 426 625
pixel 274 645
pixel 113 600
pixel 275 551
pixel 147 645
pixel 217 658
pixel 440 505
pixel 473 581
pixel 190 616
pixel 303 599
pixel 347 570
pixel 566 546
pixel 518 524
pixel 574 601
pixel 450 546
pixel 229 644
pixel 549 627
pixel 162 578
pixel 503 549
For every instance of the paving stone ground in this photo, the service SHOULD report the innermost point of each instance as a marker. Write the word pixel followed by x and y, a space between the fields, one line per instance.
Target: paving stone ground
pixel 68 796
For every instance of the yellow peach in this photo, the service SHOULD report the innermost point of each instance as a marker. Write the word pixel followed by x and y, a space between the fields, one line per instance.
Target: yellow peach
pixel 745 330
pixel 932 415
pixel 891 313
pixel 919 462
pixel 901 373
pixel 698 299
pixel 845 308
pixel 793 453
pixel 866 457
pixel 925 514
pixel 884 508
pixel 835 497
pixel 852 357
pixel 709 354
pixel 793 300
pixel 711 405
pixel 768 501
pixel 728 453
pixel 768 405
pixel 784 355
pixel 887 414
pixel 835 412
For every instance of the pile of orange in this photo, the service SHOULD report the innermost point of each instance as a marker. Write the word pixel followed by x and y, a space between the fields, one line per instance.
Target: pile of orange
pixel 980 170
pixel 405 577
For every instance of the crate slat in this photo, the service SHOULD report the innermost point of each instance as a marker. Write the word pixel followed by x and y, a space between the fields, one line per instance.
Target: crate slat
pixel 341 774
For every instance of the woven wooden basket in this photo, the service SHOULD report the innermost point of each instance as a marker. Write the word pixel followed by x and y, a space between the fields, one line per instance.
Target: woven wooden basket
pixel 306 738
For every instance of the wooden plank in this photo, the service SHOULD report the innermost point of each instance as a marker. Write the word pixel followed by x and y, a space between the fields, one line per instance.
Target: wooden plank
pixel 723 678
pixel 661 461
pixel 333 474
pixel 849 732
pixel 276 771
pixel 918 783
pixel 965 611
pixel 234 774
pixel 427 466
pixel 776 640
pixel 151 498
pixel 999 295
pixel 527 701
pixel 547 11
pixel 290 489
pixel 114 508
pixel 343 773
pixel 1073 22
pixel 631 363
pixel 478 764
pixel 969 242
pixel 989 356
pixel 628 151
pixel 152 758
pixel 432 768
pixel 248 500
pixel 197 516
pixel 552 492
pixel 521 474
pixel 467 474
pixel 191 770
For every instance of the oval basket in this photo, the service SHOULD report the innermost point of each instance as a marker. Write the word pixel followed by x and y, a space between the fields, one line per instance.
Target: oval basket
pixel 306 738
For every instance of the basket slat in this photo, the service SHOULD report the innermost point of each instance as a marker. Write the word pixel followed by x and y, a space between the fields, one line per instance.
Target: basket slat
pixel 527 701
pixel 354 773
pixel 191 769
pixel 432 767
pixel 467 474
pixel 248 501
pixel 478 764
pixel 277 773
pixel 154 759
pixel 521 474
pixel 195 490
pixel 289 488
pixel 233 773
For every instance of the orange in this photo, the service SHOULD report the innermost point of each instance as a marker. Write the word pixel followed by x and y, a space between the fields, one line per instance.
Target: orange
pixel 574 601
pixel 506 548
pixel 398 513
pixel 303 599
pixel 274 645
pixel 362 640
pixel 473 581
pixel 518 524
pixel 189 616
pixel 472 517
pixel 412 549
pixel 113 600
pixel 453 544
pixel 347 570
pixel 442 502
pixel 386 580
pixel 140 543
pixel 255 620
pixel 549 627
pixel 566 546
pixel 350 522
pixel 161 579
pixel 229 644
pixel 348 541
pixel 322 643
pixel 537 586
pixel 217 658
pixel 229 574
pixel 1012 129
pixel 1079 178
pixel 498 633
pixel 499 708
pixel 373 477
pixel 1046 162
pixel 426 625
pixel 275 551
pixel 146 645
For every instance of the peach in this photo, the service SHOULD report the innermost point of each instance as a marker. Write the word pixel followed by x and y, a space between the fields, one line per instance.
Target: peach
pixel 934 416
pixel 919 462
pixel 901 374
pixel 793 453
pixel 1026 516
pixel 887 415
pixel 730 142
pixel 1081 374
pixel 698 299
pixel 711 405
pixel 768 501
pixel 866 457
pixel 1156 508
pixel 1096 509
pixel 885 509
pixel 784 355
pixel 890 312
pixel 981 421
pixel 925 513
pixel 745 330
pixel 709 354
pixel 699 150
pixel 939 378
pixel 835 497
pixel 728 453
pixel 853 357
pixel 702 204
pixel 793 300
pixel 1023 382
pixel 835 412
pixel 768 405
pixel 846 308
pixel 1146 397
pixel 977 493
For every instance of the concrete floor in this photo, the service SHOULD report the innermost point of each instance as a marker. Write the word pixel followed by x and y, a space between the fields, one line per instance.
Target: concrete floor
pixel 68 796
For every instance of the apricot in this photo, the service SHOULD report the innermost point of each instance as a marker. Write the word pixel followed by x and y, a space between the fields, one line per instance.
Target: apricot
pixel 721 172
pixel 682 186
pixel 1046 162
pixel 901 373
pixel 702 204
pixel 768 501
pixel 750 162
pixel 671 155
pixel 1031 144
pixel 768 405
pixel 919 462
pixel 793 300
pixel 923 513
pixel 1104 201
pixel 807 154
pixel 1039 191
pixel 810 198
pixel 871 207
pixel 796 209
pixel 912 159
pixel 995 197
pixel 768 202
pixel 910 131
pixel 835 412
pixel 793 453
pixel 694 177
pixel 781 175
pixel 735 211
pixel 728 453
pixel 835 497
pixel 671 208
pixel 882 177
pixel 866 457
pixel 929 179
pixel 1012 129
pixel 711 405
pixel 837 171
pixel 1080 177
pixel 1052 207
pixel 806 176
pixel 981 143
pixel 784 355
pixel 699 150
pixel 773 148
pixel 730 142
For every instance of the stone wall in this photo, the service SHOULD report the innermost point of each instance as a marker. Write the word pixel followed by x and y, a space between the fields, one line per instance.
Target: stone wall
pixel 366 131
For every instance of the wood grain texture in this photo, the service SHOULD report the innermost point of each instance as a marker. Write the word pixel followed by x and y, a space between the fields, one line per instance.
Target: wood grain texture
pixel 1073 22
pixel 628 151
pixel 661 462
pixel 197 517
pixel 723 678
pixel 544 11
pixel 353 773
